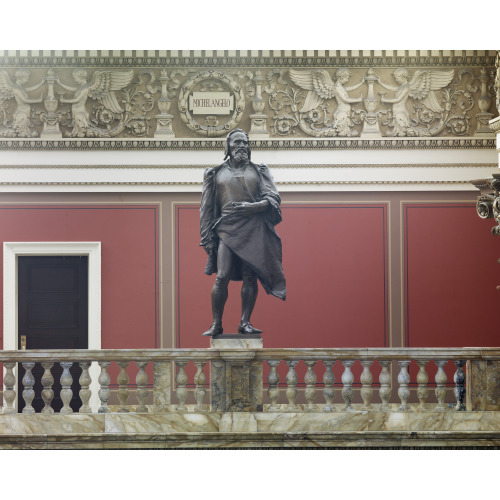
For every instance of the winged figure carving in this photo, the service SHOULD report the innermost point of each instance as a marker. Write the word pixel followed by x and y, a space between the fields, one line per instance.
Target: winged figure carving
pixel 101 88
pixel 421 87
pixel 20 125
pixel 320 87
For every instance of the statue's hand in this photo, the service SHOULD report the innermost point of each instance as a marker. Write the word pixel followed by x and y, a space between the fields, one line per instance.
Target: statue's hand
pixel 246 209
pixel 209 248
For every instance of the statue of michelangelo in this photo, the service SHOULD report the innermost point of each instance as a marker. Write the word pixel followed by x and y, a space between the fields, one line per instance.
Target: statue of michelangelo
pixel 239 208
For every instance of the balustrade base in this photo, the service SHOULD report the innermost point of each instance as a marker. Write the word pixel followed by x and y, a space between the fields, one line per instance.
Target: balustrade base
pixel 357 429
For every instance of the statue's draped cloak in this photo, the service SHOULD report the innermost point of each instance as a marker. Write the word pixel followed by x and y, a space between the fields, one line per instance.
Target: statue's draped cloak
pixel 252 239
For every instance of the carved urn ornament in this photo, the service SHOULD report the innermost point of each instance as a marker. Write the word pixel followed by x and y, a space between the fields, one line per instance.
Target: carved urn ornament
pixel 488 202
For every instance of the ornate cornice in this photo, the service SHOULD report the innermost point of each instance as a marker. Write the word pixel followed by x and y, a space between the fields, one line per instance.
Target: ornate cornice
pixel 242 58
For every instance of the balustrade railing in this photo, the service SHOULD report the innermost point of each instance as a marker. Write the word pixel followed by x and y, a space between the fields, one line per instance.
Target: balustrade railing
pixel 290 380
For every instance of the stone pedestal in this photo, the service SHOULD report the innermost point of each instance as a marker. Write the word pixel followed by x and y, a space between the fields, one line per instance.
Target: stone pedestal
pixel 236 380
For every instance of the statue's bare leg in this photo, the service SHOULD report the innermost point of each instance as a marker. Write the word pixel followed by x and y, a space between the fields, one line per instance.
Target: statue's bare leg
pixel 249 292
pixel 219 291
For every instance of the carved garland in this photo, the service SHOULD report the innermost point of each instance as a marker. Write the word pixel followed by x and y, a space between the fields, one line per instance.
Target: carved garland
pixel 207 129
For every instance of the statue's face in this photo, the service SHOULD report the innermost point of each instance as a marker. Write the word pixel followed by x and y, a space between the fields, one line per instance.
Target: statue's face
pixel 22 78
pixel 400 78
pixel 238 147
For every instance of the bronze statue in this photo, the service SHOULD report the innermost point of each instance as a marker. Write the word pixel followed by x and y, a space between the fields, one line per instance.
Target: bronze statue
pixel 239 208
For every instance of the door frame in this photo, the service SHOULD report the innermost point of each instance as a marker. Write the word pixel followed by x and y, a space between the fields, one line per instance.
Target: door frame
pixel 92 249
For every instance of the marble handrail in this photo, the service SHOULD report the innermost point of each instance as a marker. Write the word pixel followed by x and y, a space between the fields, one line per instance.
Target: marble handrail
pixel 318 396
pixel 288 354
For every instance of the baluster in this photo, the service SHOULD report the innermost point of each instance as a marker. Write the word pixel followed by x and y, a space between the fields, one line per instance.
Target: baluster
pixel 291 390
pixel 104 392
pixel 459 390
pixel 85 381
pixel 347 380
pixel 328 381
pixel 273 380
pixel 141 380
pixel 422 379
pixel 123 392
pixel 441 380
pixel 366 381
pixel 66 392
pixel 181 391
pixel 404 380
pixel 310 380
pixel 47 383
pixel 28 383
pixel 9 393
pixel 385 385
pixel 199 379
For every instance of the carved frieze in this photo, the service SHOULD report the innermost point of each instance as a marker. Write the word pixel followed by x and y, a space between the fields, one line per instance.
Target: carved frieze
pixel 110 103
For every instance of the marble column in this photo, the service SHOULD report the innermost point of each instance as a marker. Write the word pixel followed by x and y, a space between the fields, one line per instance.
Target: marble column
pixel 236 379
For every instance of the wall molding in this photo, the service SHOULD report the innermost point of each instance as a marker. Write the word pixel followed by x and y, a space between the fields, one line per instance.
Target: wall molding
pixel 11 250
pixel 408 143
pixel 270 165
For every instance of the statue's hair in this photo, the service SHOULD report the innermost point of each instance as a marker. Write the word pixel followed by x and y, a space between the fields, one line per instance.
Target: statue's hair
pixel 342 71
pixel 22 72
pixel 226 149
pixel 79 72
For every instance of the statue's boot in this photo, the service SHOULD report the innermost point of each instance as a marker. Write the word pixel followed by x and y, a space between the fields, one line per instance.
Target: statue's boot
pixel 247 328
pixel 215 329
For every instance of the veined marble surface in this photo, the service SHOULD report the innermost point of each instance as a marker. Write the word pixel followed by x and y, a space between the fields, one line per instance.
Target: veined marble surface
pixel 251 430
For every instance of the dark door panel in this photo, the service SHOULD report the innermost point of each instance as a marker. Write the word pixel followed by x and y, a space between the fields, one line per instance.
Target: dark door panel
pixel 52 314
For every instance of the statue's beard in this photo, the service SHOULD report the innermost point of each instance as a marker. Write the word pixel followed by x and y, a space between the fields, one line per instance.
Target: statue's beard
pixel 240 155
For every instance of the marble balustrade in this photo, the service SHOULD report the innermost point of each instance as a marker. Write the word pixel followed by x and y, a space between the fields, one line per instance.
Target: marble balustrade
pixel 292 380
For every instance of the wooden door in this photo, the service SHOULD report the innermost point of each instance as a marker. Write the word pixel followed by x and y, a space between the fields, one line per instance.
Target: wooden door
pixel 52 314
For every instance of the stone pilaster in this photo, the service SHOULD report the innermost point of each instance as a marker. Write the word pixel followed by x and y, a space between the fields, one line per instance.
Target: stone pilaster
pixel 483 385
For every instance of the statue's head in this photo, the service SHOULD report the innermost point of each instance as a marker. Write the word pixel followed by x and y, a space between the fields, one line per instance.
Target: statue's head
pixel 80 75
pixel 22 75
pixel 343 74
pixel 234 148
pixel 401 75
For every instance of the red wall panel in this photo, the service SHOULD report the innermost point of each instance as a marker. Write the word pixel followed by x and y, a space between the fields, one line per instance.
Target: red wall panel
pixel 451 273
pixel 335 263
pixel 129 237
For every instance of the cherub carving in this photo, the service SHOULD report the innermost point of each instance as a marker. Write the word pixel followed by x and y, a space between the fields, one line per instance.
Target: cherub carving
pixel 420 87
pixel 102 88
pixel 321 86
pixel 20 126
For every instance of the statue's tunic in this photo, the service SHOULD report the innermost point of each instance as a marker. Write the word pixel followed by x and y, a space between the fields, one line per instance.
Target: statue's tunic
pixel 252 239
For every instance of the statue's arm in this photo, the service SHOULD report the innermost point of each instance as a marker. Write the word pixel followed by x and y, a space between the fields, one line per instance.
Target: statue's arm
pixel 355 86
pixel 36 86
pixel 270 193
pixel 207 208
